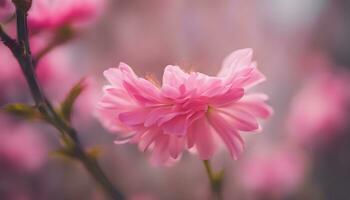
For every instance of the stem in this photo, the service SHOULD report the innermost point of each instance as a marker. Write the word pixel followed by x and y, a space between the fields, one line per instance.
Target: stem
pixel 21 50
pixel 94 169
pixel 215 179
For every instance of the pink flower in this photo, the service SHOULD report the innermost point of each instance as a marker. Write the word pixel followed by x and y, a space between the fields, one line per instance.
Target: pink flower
pixel 56 74
pixel 188 110
pixel 318 111
pixel 57 13
pixel 272 172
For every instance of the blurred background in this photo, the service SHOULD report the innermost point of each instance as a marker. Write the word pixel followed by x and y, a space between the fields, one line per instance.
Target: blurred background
pixel 302 47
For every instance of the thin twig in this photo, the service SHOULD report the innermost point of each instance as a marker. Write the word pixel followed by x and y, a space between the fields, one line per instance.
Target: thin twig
pixel 21 50
pixel 8 41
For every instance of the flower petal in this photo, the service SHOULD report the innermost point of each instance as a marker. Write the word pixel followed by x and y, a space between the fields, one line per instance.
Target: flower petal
pixel 177 126
pixel 240 119
pixel 201 135
pixel 228 134
pixel 248 77
pixel 176 146
pixel 235 61
pixel 134 117
pixel 155 114
pixel 255 105
pixel 160 153
pixel 174 76
pixel 229 97
pixel 147 138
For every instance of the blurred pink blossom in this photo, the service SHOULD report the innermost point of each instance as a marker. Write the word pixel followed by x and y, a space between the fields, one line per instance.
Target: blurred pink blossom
pixel 51 14
pixel 272 172
pixel 21 147
pixel 188 110
pixel 53 71
pixel 6 10
pixel 56 74
pixel 319 110
pixel 9 72
pixel 16 195
pixel 85 103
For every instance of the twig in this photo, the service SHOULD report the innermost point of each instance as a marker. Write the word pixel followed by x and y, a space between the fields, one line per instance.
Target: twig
pixel 21 50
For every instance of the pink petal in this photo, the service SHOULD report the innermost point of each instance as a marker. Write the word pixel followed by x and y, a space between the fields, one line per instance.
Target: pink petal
pixel 191 136
pixel 113 76
pixel 124 78
pixel 174 76
pixel 227 98
pixel 254 104
pixel 125 139
pixel 109 119
pixel 115 98
pixel 170 92
pixel 127 70
pixel 228 134
pixel 141 94
pixel 248 78
pixel 176 146
pixel 156 114
pixel 201 134
pixel 147 138
pixel 236 60
pixel 134 117
pixel 177 125
pixel 171 115
pixel 160 153
pixel 240 119
pixel 216 87
pixel 116 75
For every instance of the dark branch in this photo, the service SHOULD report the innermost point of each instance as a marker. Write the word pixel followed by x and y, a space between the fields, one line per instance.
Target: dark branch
pixel 8 41
pixel 21 50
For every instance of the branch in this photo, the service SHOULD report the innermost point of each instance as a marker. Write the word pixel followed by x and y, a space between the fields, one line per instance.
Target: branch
pixel 21 50
pixel 8 41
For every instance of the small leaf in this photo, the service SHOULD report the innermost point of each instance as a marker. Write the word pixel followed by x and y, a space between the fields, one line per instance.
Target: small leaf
pixel 63 154
pixel 94 152
pixel 23 110
pixel 67 105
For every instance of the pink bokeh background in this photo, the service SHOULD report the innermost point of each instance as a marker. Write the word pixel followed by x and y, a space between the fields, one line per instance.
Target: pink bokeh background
pixel 302 47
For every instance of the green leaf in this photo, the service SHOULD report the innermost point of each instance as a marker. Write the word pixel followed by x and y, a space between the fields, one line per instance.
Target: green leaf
pixel 94 152
pixel 62 153
pixel 23 110
pixel 68 103
pixel 70 154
